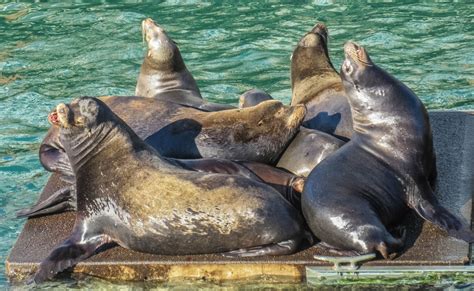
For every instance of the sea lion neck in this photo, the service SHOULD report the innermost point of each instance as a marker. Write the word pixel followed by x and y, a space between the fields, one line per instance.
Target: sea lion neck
pixel 383 111
pixel 175 64
pixel 155 78
pixel 314 85
pixel 307 62
pixel 311 72
pixel 83 145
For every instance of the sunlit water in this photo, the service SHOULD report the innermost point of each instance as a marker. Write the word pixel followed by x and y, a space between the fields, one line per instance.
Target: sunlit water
pixel 53 52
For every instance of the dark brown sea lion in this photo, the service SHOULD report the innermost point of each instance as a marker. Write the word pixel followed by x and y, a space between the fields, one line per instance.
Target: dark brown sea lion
pixel 353 197
pixel 308 149
pixel 257 134
pixel 129 195
pixel 164 75
pixel 316 84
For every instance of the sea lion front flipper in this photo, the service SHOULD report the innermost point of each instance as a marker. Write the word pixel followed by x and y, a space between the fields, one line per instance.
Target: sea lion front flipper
pixel 69 253
pixel 207 106
pixel 282 248
pixel 429 209
pixel 60 201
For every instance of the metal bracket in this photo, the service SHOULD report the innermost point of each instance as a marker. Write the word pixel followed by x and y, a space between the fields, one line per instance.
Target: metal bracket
pixel 346 264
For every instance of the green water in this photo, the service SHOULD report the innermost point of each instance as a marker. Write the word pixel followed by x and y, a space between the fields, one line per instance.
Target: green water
pixel 50 53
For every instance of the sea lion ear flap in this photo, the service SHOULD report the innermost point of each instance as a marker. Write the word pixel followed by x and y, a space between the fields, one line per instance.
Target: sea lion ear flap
pixel 89 109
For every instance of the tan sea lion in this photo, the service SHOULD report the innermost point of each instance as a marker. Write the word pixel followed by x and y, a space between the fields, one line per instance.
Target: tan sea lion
pixel 316 84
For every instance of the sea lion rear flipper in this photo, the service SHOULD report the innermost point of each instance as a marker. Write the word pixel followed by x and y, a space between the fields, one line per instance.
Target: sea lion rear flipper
pixel 282 248
pixel 429 209
pixel 60 201
pixel 67 255
pixel 440 216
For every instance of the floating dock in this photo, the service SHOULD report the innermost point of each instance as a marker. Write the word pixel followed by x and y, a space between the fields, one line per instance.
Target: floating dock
pixel 428 249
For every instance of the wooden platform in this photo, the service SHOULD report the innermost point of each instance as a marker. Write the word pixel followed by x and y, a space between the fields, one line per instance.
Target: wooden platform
pixel 426 245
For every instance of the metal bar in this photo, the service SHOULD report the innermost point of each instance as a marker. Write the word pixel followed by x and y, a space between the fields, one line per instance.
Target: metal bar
pixel 318 275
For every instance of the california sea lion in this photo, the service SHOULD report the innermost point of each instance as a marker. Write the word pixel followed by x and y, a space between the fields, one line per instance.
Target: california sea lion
pixel 352 197
pixel 128 194
pixel 257 134
pixel 308 149
pixel 316 84
pixel 164 75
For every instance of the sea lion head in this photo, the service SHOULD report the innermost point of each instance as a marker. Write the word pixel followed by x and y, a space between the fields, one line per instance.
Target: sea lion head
pixel 83 118
pixel 163 53
pixel 268 129
pixel 363 81
pixel 311 56
pixel 81 114
pixel 87 126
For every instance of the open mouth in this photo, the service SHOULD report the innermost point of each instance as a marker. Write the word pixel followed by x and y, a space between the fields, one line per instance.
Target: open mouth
pixel 53 118
pixel 357 53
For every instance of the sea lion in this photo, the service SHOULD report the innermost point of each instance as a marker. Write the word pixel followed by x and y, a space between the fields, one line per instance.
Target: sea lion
pixel 129 195
pixel 253 97
pixel 258 134
pixel 316 84
pixel 164 75
pixel 388 167
pixel 308 149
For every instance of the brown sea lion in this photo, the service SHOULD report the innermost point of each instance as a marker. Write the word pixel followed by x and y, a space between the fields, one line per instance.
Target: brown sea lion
pixel 353 198
pixel 129 195
pixel 164 75
pixel 257 134
pixel 316 84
